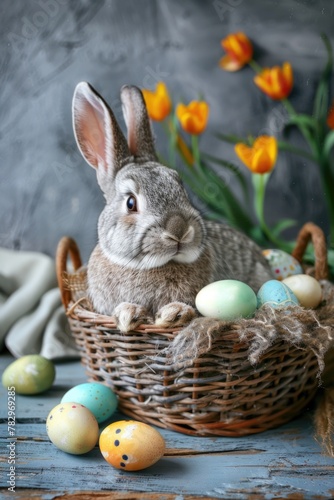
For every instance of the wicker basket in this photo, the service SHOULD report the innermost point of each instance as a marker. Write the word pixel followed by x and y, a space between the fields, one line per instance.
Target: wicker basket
pixel 220 394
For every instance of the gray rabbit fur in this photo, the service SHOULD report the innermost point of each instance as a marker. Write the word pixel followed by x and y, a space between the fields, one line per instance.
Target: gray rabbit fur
pixel 155 251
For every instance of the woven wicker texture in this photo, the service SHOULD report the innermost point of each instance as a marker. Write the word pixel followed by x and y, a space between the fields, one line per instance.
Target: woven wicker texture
pixel 221 393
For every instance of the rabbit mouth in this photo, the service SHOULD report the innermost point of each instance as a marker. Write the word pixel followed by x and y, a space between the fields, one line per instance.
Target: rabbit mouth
pixel 185 255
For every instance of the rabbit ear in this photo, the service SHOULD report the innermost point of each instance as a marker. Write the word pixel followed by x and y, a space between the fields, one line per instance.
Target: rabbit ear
pixel 98 135
pixel 140 139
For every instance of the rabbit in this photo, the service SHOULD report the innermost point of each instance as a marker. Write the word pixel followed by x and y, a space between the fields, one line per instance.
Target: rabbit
pixel 155 251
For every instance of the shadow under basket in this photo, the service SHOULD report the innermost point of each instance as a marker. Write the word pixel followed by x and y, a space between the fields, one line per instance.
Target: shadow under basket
pixel 220 393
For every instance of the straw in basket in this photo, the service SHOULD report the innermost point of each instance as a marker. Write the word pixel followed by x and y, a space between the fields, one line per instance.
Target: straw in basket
pixel 238 378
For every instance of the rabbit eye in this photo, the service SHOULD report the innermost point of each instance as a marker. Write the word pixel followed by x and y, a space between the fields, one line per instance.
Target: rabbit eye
pixel 131 204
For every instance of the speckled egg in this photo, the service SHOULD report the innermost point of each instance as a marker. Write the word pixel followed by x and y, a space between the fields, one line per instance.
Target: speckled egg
pixel 131 445
pixel 276 294
pixel 226 300
pixel 282 264
pixel 29 374
pixel 98 398
pixel 306 288
pixel 72 428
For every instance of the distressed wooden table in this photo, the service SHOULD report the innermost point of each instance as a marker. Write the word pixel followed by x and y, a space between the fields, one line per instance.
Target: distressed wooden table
pixel 282 463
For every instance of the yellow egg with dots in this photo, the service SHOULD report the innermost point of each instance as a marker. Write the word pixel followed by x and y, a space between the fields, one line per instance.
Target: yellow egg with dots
pixel 306 288
pixel 130 445
pixel 72 428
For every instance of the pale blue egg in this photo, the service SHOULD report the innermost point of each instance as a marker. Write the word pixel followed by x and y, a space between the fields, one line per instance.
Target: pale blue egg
pixel 98 398
pixel 276 294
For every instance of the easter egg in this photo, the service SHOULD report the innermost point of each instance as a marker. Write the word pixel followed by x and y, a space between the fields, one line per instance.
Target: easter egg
pixel 276 294
pixel 306 288
pixel 72 428
pixel 282 264
pixel 131 445
pixel 29 374
pixel 98 398
pixel 226 300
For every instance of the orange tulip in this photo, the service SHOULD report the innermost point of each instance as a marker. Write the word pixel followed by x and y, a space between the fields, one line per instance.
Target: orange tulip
pixel 261 157
pixel 158 102
pixel 276 82
pixel 330 117
pixel 239 51
pixel 194 117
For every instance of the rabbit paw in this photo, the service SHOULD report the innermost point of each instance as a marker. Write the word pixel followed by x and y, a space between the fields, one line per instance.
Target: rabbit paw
pixel 175 314
pixel 128 316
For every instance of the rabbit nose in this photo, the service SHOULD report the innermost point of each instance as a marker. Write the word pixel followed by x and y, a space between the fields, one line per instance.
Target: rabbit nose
pixel 177 229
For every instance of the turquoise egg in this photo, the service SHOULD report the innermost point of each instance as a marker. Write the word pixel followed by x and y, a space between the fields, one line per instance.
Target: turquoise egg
pixel 226 300
pixel 276 294
pixel 98 398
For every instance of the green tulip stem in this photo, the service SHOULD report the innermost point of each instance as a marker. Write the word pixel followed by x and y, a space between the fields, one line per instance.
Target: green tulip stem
pixel 259 183
pixel 195 151
pixel 288 106
pixel 259 188
pixel 305 130
pixel 171 132
pixel 255 66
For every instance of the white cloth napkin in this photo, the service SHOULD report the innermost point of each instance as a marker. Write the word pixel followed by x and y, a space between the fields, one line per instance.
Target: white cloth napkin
pixel 32 319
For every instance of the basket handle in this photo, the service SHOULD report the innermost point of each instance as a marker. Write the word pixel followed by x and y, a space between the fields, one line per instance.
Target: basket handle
pixel 311 232
pixel 66 246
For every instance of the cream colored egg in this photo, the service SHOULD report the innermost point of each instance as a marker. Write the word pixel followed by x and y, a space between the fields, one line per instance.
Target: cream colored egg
pixel 306 288
pixel 72 428
pixel 131 445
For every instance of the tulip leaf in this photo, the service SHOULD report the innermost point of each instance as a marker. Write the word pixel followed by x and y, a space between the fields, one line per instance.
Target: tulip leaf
pixel 282 225
pixel 328 144
pixel 200 194
pixel 222 196
pixel 320 108
pixel 286 146
pixel 216 204
pixel 330 258
pixel 257 235
pixel 309 128
pixel 232 139
pixel 232 168
pixel 302 120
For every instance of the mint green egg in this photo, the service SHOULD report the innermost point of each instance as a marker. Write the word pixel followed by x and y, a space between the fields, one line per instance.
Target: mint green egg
pixel 276 294
pixel 31 374
pixel 226 300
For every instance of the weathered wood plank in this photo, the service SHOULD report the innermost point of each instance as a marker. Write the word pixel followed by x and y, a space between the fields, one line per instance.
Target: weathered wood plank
pixel 291 439
pixel 98 495
pixel 217 474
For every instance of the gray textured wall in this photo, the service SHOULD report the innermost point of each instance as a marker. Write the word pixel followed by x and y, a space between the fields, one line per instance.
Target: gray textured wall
pixel 47 46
